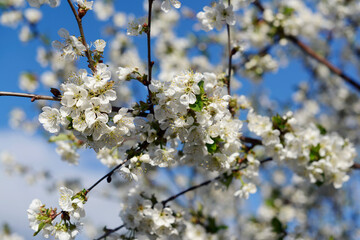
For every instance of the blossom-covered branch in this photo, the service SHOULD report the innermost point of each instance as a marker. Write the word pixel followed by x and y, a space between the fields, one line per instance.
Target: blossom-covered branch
pixel 164 202
pixel 79 22
pixel 310 52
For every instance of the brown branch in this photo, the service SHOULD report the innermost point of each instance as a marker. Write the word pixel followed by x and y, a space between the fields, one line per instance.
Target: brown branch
pixel 29 95
pixel 109 232
pixel 356 166
pixel 79 22
pixel 253 141
pixel 259 6
pixel 164 202
pixel 324 61
pixel 230 60
pixel 230 54
pixel 314 55
pixel 150 62
pixel 107 176
pixel 140 148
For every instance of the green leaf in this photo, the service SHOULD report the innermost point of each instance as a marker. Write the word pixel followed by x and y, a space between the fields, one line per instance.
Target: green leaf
pixel 321 129
pixel 211 147
pixel 278 228
pixel 41 226
pixel 212 227
pixel 70 126
pixel 201 85
pixel 288 11
pixel 276 225
pixel 270 202
pixel 279 123
pixel 198 105
pixel 200 99
pixel 60 137
pixel 227 179
pixel 315 153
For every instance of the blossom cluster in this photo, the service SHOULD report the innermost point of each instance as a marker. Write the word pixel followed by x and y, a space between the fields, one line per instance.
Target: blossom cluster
pixel 146 216
pixel 295 18
pixel 216 16
pixel 194 108
pixel 309 151
pixel 258 65
pixel 72 205
pixel 85 109
pixel 71 48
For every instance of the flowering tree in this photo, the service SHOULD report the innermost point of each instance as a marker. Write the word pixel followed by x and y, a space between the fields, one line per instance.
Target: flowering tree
pixel 185 117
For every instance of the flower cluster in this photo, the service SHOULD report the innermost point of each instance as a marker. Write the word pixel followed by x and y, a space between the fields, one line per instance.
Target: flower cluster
pixel 165 5
pixel 72 205
pixel 38 3
pixel 216 16
pixel 194 108
pixel 309 151
pixel 144 215
pixel 137 27
pixel 295 18
pixel 71 48
pixel 84 4
pixel 257 66
pixel 86 109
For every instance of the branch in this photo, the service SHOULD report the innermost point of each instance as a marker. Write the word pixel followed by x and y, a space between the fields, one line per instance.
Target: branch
pixel 253 141
pixel 79 22
pixel 110 231
pixel 324 61
pixel 259 6
pixel 142 147
pixel 314 55
pixel 356 166
pixel 29 95
pixel 230 55
pixel 189 189
pixel 107 176
pixel 164 202
pixel 150 62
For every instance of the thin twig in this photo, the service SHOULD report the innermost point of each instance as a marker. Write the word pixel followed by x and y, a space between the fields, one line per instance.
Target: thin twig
pixel 150 62
pixel 110 231
pixel 164 202
pixel 253 141
pixel 45 97
pixel 29 95
pixel 79 22
pixel 259 5
pixel 324 61
pixel 314 55
pixel 230 58
pixel 140 148
pixel 106 176
pixel 189 189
